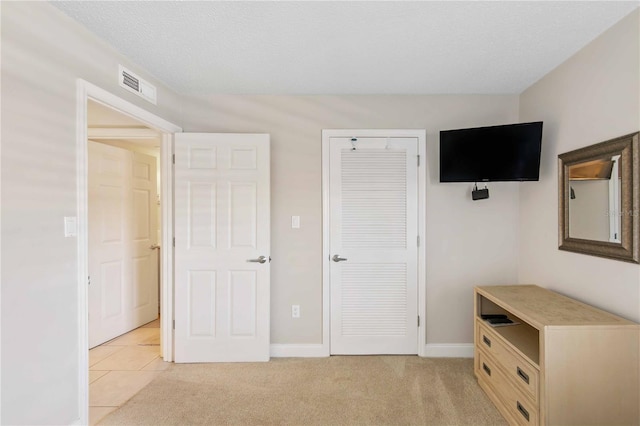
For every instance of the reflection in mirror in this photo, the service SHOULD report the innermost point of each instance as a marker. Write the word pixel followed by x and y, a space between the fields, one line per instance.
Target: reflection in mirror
pixel 598 199
pixel 594 200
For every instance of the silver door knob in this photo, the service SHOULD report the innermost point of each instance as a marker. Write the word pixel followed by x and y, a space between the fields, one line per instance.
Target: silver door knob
pixel 154 247
pixel 261 259
pixel 337 258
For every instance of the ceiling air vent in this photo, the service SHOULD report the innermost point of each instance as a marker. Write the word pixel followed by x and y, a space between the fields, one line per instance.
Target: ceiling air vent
pixel 130 81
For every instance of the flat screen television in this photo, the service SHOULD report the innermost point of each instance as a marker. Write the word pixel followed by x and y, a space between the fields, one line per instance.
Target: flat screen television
pixel 488 154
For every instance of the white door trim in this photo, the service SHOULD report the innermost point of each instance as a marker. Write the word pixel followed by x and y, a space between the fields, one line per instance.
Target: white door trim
pixel 421 134
pixel 84 92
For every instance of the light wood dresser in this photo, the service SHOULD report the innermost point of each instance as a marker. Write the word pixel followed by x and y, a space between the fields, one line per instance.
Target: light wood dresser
pixel 566 363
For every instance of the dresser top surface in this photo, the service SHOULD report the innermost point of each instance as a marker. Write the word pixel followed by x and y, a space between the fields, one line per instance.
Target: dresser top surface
pixel 541 307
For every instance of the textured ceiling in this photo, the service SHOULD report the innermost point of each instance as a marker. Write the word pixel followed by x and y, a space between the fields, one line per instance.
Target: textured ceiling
pixel 357 47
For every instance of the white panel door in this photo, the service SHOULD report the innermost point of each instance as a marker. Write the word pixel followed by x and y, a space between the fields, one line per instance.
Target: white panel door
pixel 122 220
pixel 373 245
pixel 222 231
pixel 144 236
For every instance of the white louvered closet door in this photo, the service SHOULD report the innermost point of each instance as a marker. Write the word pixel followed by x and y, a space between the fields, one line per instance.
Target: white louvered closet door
pixel 374 227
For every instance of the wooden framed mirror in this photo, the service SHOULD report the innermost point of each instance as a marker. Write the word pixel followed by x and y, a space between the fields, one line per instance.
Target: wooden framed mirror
pixel 598 199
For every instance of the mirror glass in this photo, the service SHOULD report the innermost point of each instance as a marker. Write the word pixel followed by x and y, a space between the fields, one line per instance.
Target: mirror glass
pixel 598 202
pixel 595 200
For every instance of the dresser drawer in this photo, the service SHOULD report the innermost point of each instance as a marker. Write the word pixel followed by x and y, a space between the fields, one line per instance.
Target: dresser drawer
pixel 517 368
pixel 515 405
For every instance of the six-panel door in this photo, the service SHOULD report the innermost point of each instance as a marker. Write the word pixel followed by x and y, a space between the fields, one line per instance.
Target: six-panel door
pixel 123 268
pixel 222 231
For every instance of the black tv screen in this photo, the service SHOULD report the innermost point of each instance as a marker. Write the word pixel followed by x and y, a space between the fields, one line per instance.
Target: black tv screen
pixel 497 153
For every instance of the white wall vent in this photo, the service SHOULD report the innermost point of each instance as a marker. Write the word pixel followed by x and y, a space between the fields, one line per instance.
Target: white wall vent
pixel 130 81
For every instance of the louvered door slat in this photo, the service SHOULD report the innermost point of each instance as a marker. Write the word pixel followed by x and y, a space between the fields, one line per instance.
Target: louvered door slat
pixel 374 299
pixel 372 179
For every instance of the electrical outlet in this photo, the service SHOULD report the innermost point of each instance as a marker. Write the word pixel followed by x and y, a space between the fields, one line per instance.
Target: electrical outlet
pixel 295 311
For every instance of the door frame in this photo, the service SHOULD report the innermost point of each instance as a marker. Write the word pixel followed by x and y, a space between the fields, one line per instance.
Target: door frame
pixel 421 135
pixel 84 92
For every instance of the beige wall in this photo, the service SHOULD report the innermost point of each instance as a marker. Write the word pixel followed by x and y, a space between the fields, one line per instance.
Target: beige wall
pixel 592 97
pixel 43 53
pixel 467 243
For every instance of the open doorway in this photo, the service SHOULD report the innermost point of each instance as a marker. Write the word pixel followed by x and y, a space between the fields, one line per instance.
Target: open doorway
pixel 124 234
pixel 141 126
pixel 124 178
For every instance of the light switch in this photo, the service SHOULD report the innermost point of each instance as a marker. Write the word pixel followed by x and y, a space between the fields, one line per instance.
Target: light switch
pixel 70 226
pixel 295 221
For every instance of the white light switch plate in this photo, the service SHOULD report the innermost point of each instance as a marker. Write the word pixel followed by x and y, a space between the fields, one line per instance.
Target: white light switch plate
pixel 70 226
pixel 295 221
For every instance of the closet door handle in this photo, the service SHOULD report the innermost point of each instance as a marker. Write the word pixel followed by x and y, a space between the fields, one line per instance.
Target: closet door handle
pixel 524 376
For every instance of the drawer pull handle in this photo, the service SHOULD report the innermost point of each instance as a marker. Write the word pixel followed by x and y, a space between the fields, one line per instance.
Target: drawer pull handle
pixel 524 376
pixel 485 368
pixel 486 341
pixel 522 410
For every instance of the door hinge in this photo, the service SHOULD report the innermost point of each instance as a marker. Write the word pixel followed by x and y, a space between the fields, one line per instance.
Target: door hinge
pixel 418 161
pixel 418 240
pixel 174 324
pixel 173 158
pixel 418 320
pixel 89 280
pixel 174 241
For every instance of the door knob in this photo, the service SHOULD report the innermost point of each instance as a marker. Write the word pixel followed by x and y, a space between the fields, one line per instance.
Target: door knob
pixel 154 247
pixel 261 259
pixel 337 258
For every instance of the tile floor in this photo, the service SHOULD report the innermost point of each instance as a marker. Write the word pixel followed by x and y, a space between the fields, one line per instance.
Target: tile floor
pixel 120 368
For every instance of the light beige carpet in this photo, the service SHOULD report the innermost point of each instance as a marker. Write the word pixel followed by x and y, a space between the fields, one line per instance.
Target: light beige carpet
pixel 340 390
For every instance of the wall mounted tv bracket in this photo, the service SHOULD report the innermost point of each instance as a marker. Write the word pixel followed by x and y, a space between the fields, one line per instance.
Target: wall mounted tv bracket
pixel 479 194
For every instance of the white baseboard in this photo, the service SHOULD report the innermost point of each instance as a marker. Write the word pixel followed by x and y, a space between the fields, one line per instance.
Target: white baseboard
pixel 298 350
pixel 448 350
pixel 431 350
